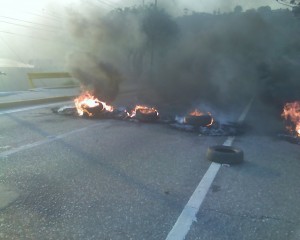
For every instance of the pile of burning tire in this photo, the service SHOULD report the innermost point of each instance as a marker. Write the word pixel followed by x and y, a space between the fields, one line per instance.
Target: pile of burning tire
pixel 88 106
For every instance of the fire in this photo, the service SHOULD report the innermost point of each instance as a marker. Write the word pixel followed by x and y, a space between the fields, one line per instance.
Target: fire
pixel 197 113
pixel 291 112
pixel 87 101
pixel 144 110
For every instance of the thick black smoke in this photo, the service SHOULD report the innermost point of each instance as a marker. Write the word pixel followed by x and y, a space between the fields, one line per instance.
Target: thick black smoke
pixel 220 59
pixel 102 43
pixel 225 58
pixel 99 77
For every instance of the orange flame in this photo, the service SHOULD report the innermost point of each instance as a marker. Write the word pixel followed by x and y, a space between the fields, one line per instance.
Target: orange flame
pixel 198 113
pixel 87 100
pixel 291 112
pixel 144 110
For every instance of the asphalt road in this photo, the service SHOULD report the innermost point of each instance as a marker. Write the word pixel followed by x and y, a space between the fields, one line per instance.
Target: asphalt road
pixel 63 177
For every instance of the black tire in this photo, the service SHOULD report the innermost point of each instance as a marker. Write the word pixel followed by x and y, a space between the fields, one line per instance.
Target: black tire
pixel 94 111
pixel 225 154
pixel 203 120
pixel 146 117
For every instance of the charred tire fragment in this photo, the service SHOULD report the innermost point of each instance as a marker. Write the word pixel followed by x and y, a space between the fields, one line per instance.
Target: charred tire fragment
pixel 203 120
pixel 94 111
pixel 146 117
pixel 225 154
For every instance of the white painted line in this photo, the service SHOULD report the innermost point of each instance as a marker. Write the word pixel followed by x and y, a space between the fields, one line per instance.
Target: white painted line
pixel 33 107
pixel 188 214
pixel 48 140
pixel 229 141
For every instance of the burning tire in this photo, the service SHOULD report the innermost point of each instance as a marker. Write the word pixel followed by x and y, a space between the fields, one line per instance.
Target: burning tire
pixel 225 154
pixel 149 116
pixel 89 106
pixel 93 111
pixel 203 120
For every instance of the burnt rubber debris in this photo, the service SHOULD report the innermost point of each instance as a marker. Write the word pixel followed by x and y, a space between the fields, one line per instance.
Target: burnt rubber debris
pixel 196 121
pixel 212 129
pixel 87 106
pixel 289 138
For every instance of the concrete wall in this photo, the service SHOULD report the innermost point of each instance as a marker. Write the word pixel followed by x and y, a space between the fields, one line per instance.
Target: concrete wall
pixel 14 80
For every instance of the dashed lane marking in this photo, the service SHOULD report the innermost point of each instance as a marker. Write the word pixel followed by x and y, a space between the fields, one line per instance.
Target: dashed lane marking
pixel 188 214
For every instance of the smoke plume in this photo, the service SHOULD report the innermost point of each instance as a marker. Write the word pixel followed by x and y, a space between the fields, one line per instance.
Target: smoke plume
pixel 220 59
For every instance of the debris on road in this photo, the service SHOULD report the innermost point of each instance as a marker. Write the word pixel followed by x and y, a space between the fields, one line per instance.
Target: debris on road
pixel 216 129
pixel 289 138
pixel 86 105
pixel 225 154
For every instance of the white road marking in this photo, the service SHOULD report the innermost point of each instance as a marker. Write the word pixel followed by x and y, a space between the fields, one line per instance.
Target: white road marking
pixel 188 214
pixel 229 141
pixel 32 107
pixel 48 140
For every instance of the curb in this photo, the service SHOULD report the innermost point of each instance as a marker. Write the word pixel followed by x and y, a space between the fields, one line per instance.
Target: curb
pixel 28 102
pixel 22 103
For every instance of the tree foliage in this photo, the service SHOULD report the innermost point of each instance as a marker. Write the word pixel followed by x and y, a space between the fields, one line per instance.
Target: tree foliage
pixel 159 27
pixel 291 3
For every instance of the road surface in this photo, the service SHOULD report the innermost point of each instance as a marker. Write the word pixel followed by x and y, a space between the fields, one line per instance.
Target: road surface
pixel 65 177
